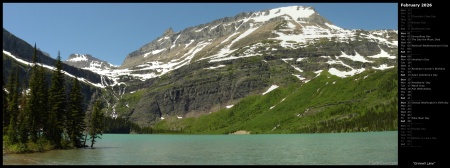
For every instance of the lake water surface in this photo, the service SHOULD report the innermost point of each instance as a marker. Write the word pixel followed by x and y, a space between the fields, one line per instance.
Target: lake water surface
pixel 365 148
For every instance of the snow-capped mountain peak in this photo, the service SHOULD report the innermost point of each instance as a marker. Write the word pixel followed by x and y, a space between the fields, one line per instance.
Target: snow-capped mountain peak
pixel 87 61
pixel 295 12
pixel 77 58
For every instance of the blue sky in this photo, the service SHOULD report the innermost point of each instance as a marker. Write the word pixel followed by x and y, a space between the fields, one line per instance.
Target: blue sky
pixel 110 31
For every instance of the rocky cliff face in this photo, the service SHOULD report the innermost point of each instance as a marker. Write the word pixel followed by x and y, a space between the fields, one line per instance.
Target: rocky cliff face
pixel 204 88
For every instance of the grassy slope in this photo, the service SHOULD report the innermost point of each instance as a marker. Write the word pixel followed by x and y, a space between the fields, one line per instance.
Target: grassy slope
pixel 350 104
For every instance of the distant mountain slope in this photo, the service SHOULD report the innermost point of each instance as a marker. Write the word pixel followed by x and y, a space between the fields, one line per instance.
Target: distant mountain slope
pixel 17 48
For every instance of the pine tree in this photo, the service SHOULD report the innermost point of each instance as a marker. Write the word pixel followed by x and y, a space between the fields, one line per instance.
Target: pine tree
pixel 43 102
pixel 96 122
pixel 13 105
pixel 23 118
pixel 5 114
pixel 75 118
pixel 37 98
pixel 57 104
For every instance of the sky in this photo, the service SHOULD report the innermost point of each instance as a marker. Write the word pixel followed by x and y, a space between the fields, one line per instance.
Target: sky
pixel 110 31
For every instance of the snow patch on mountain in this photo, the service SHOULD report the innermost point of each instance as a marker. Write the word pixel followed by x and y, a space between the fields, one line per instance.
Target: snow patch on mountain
pixel 310 33
pixel 383 67
pixel 318 73
pixel 334 27
pixel 382 40
pixel 300 59
pixel 382 54
pixel 294 11
pixel 344 74
pixel 188 44
pixel 219 66
pixel 290 59
pixel 229 37
pixel 356 57
pixel 332 61
pixel 226 50
pixel 174 42
pixel 199 30
pixel 164 38
pixel 273 87
pixel 299 77
pixel 154 52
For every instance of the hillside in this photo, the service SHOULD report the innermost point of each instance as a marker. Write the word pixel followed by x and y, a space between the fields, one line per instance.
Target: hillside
pixel 364 102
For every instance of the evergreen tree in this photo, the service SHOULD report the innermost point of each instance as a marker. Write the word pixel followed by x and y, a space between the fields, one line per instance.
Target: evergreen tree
pixel 96 122
pixel 5 114
pixel 23 118
pixel 43 102
pixel 37 98
pixel 57 104
pixel 13 105
pixel 75 118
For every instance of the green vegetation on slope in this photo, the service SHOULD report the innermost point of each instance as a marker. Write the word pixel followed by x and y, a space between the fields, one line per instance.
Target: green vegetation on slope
pixel 364 102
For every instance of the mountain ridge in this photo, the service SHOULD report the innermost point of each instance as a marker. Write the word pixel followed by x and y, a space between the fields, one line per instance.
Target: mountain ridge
pixel 201 32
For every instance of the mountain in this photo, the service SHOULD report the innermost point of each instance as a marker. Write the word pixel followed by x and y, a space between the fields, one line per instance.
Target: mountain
pixel 209 67
pixel 293 27
pixel 87 61
pixel 233 72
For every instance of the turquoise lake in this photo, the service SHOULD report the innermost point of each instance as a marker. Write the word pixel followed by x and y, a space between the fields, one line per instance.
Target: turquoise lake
pixel 363 148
